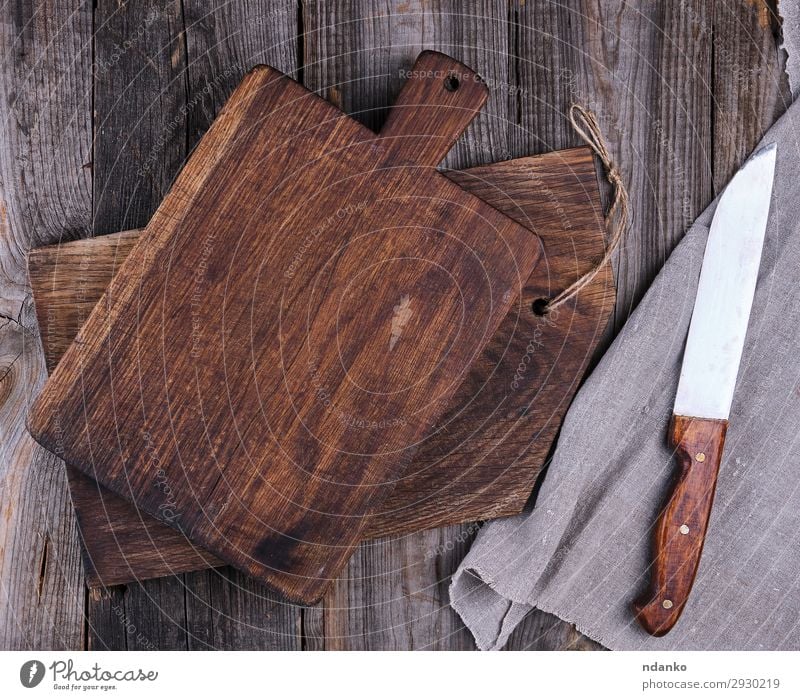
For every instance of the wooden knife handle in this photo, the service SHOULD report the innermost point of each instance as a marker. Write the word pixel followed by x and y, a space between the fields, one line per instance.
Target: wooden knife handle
pixel 681 529
pixel 439 99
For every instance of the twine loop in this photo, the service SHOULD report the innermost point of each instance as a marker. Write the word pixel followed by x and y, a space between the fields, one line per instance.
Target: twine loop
pixel 584 121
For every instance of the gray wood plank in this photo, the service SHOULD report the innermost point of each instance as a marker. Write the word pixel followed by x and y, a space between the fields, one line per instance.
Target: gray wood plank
pixel 139 92
pixel 393 594
pixel 750 85
pixel 107 621
pixel 355 53
pixel 45 194
pixel 140 145
pixel 139 617
pixel 540 631
pixel 645 71
pixel 223 43
pixel 227 610
pixel 158 94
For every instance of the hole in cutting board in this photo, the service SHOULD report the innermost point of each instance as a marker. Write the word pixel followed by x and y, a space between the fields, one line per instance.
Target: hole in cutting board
pixel 451 83
pixel 539 306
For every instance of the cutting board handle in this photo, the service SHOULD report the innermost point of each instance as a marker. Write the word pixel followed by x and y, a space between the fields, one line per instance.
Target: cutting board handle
pixel 440 98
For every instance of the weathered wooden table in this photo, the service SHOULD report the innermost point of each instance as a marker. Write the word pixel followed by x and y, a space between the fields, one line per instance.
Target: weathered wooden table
pixel 102 101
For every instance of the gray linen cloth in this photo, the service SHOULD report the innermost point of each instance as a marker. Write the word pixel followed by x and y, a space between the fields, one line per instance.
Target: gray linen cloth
pixel 582 552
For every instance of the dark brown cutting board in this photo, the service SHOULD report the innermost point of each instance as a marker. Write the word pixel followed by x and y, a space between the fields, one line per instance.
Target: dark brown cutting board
pixel 450 483
pixel 294 320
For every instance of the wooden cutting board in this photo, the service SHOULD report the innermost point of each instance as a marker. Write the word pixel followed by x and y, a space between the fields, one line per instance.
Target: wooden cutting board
pixel 294 320
pixel 484 465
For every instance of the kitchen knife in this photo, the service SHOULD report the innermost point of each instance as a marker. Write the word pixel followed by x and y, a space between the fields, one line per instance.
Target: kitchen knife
pixel 706 386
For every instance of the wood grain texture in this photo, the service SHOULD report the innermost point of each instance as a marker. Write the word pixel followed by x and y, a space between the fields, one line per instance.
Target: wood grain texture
pixel 619 53
pixel 306 368
pixel 646 70
pixel 139 93
pixel 223 610
pixel 222 42
pixel 617 67
pixel 750 86
pixel 499 426
pixel 45 196
pixel 354 54
pixel 121 544
pixel 141 106
pixel 494 437
pixel 227 610
pixel 540 631
pixel 72 277
pixel 681 529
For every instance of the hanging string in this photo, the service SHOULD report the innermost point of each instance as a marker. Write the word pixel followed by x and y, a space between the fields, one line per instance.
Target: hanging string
pixel 585 124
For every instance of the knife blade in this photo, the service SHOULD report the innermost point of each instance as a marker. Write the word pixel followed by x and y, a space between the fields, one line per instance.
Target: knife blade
pixel 706 387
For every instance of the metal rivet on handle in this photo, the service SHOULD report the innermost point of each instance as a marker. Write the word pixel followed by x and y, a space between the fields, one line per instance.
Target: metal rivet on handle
pixel 667 604
pixel 700 456
pixel 684 529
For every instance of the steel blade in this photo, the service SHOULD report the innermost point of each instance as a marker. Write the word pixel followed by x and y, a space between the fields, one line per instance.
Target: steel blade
pixel 725 291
